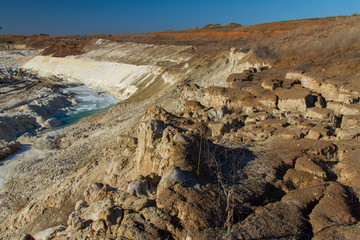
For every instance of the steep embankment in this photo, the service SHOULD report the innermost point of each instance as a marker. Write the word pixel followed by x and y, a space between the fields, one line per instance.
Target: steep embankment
pixel 123 69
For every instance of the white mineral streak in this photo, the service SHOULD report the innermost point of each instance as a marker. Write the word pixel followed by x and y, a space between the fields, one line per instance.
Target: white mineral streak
pixel 116 78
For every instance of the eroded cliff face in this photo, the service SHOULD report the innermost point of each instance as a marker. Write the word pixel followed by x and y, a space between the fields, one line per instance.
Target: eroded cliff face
pixel 217 145
pixel 124 69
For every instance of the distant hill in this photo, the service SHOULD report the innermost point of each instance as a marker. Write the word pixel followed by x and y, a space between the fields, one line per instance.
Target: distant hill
pixel 219 26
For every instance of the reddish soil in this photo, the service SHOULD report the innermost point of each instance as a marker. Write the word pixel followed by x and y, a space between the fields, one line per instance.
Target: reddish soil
pixel 62 45
pixel 310 44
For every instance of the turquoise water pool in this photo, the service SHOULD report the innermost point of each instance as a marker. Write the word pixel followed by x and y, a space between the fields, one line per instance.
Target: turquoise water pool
pixel 89 102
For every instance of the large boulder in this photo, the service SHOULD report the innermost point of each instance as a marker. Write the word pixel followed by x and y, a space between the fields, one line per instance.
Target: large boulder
pixel 330 89
pixel 178 196
pixel 319 113
pixel 8 148
pixel 294 99
pixel 273 221
pixel 339 232
pixel 164 142
pixel 348 170
pixel 332 209
pixel 49 233
pixel 230 97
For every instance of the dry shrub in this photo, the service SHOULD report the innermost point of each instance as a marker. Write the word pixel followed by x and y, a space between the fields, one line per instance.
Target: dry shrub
pixel 342 34
pixel 264 51
pixel 225 167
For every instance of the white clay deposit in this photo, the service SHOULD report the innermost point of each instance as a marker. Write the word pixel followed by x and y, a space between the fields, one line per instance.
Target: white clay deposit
pixel 106 76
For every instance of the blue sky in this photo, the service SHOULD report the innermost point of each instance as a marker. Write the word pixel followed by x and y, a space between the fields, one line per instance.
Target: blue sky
pixel 111 16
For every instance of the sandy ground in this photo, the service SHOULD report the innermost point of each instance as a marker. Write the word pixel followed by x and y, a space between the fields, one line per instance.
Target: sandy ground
pixel 15 59
pixel 9 166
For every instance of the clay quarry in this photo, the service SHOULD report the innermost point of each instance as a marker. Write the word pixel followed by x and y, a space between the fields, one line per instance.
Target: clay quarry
pixel 220 132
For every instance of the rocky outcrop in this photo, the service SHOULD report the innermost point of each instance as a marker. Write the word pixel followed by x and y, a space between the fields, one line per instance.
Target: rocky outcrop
pixel 330 89
pixel 31 104
pixel 291 100
pixel 266 222
pixel 162 144
pixel 349 169
pixel 8 148
pixel 323 214
pixel 12 125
